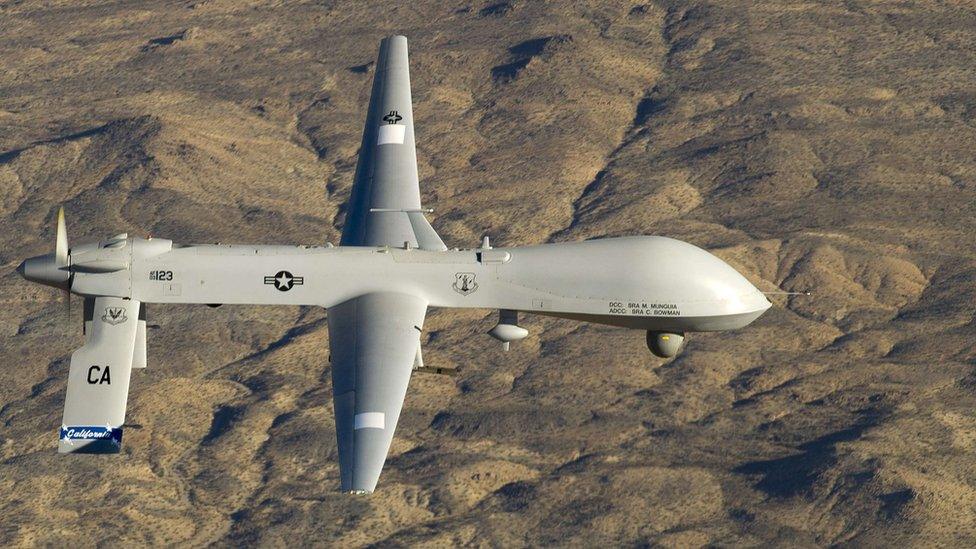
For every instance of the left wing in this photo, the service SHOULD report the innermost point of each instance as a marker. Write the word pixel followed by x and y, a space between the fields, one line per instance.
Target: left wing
pixel 373 340
pixel 384 209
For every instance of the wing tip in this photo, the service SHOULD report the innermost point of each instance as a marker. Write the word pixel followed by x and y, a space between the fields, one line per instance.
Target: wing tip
pixel 393 53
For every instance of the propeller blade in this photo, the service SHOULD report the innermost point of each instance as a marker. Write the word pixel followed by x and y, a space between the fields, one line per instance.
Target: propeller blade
pixel 67 305
pixel 61 247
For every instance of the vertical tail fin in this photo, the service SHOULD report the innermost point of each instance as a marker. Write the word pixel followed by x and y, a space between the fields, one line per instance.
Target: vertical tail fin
pixel 98 379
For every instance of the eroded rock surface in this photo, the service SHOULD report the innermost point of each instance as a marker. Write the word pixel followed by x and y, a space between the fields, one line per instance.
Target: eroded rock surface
pixel 821 146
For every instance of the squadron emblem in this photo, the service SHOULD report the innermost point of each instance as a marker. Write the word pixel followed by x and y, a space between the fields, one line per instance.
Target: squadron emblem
pixel 114 315
pixel 464 283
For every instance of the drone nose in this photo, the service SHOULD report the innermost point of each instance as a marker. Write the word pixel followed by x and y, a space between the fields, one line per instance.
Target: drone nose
pixel 20 268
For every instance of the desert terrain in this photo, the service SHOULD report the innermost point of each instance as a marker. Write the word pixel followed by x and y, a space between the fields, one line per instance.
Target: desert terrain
pixel 824 146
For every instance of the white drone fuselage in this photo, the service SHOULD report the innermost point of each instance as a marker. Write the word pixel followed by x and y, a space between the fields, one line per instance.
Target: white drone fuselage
pixel 649 283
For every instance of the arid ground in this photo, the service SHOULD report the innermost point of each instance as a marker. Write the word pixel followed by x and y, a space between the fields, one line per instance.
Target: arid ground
pixel 824 146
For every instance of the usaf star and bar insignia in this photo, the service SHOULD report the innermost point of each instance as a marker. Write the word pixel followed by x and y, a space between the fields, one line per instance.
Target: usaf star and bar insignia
pixel 284 281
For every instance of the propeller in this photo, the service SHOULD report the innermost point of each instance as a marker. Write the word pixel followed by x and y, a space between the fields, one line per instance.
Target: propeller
pixel 66 297
pixel 57 269
pixel 61 245
pixel 61 261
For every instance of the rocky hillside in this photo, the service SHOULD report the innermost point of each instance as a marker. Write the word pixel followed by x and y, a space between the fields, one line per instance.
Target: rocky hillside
pixel 824 146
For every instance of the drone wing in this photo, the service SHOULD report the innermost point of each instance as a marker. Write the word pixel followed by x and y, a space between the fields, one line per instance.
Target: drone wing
pixel 384 209
pixel 373 340
pixel 98 380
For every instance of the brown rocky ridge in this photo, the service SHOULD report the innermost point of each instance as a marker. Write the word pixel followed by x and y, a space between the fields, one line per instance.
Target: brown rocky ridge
pixel 824 146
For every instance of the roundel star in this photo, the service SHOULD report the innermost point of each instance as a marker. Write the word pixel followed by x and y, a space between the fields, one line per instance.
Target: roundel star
pixel 283 281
